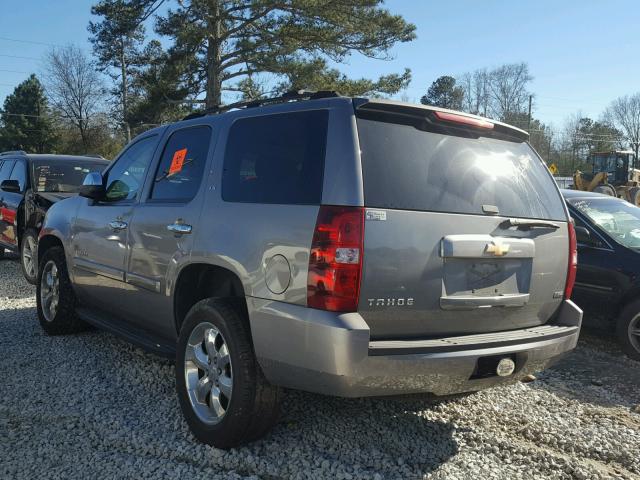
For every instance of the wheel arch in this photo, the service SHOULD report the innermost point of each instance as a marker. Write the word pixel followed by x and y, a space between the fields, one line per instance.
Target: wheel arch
pixel 629 296
pixel 197 281
pixel 21 222
pixel 47 241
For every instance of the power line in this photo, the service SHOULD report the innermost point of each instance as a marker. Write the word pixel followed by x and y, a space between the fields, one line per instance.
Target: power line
pixel 20 114
pixel 18 56
pixel 12 71
pixel 28 41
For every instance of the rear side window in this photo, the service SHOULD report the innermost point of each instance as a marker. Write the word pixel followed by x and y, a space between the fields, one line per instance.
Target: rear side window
pixel 182 164
pixel 410 169
pixel 276 159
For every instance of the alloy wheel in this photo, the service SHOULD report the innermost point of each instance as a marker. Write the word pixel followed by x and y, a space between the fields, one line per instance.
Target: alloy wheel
pixel 634 332
pixel 28 256
pixel 208 373
pixel 50 290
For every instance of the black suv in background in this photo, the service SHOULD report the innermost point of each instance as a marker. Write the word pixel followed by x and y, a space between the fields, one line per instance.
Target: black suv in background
pixel 29 185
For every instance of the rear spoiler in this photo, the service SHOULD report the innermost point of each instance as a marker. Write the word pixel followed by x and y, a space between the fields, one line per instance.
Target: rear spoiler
pixel 438 120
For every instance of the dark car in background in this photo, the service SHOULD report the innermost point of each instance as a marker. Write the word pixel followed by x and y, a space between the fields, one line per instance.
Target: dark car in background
pixel 29 185
pixel 607 284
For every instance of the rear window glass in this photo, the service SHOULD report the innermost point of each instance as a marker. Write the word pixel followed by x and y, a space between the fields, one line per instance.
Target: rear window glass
pixel 276 159
pixel 410 169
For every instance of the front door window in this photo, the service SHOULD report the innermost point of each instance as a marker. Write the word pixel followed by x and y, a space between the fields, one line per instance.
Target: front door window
pixel 125 179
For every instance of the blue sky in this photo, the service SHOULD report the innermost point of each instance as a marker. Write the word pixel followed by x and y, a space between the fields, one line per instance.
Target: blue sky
pixel 582 54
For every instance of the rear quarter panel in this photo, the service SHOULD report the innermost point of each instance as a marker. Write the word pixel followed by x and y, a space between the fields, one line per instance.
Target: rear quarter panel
pixel 244 237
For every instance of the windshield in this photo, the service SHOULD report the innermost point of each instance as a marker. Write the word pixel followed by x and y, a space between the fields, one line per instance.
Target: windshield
pixel 618 218
pixel 64 177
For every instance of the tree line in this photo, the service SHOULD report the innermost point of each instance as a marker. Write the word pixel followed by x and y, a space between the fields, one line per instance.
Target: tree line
pixel 165 58
pixel 503 93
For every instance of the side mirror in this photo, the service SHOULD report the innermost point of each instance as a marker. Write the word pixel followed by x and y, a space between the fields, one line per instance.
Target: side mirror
pixel 583 235
pixel 12 186
pixel 93 186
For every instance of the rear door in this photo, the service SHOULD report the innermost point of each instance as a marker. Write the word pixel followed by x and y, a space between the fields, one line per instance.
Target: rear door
pixel 465 230
pixel 163 226
pixel 597 287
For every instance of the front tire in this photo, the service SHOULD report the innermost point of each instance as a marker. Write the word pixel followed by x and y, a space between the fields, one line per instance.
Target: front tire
pixel 223 393
pixel 29 256
pixel 628 329
pixel 56 300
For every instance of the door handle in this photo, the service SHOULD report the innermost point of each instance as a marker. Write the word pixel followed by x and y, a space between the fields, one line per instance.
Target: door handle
pixel 118 225
pixel 180 228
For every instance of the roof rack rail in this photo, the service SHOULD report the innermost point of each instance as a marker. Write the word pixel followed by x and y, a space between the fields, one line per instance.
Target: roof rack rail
pixel 93 155
pixel 292 96
pixel 13 152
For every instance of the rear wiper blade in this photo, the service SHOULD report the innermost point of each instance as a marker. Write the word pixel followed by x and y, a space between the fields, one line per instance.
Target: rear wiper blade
pixel 527 224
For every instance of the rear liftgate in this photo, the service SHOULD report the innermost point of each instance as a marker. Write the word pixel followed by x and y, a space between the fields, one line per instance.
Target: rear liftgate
pixel 477 274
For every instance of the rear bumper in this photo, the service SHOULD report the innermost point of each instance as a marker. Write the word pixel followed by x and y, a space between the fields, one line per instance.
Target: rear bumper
pixel 323 352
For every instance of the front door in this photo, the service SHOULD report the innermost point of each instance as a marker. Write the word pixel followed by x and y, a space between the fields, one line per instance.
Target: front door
pixel 596 289
pixel 101 231
pixel 161 234
pixel 8 213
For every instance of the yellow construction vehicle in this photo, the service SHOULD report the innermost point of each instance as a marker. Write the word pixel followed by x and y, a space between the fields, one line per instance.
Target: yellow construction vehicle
pixel 613 173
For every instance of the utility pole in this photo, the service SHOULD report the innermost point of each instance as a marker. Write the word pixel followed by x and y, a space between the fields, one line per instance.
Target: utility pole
pixel 529 121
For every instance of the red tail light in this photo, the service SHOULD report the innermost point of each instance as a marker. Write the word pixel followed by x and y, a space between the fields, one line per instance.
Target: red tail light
pixel 573 261
pixel 335 263
pixel 463 120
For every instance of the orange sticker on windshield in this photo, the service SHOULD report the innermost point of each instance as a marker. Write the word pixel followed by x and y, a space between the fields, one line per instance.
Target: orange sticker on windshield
pixel 178 161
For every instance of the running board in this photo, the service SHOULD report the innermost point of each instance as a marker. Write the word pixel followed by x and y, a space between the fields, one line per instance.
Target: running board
pixel 142 338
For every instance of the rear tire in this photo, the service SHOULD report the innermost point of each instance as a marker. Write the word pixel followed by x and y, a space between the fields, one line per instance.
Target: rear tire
pixel 56 300
pixel 29 256
pixel 605 189
pixel 628 329
pixel 1 253
pixel 223 394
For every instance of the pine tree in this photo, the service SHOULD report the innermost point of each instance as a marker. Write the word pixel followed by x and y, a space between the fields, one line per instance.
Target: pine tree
pixel 26 124
pixel 222 42
pixel 118 40
pixel 444 93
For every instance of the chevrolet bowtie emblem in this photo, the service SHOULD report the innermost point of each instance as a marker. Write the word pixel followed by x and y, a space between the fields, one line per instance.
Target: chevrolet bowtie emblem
pixel 497 248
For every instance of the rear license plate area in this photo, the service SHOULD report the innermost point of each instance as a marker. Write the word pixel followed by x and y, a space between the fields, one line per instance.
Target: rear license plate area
pixel 486 278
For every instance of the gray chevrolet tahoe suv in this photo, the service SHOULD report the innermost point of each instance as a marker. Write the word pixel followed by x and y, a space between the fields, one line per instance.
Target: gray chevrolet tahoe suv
pixel 343 246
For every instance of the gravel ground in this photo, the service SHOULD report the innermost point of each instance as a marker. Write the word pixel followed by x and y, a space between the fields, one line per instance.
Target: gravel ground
pixel 92 406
